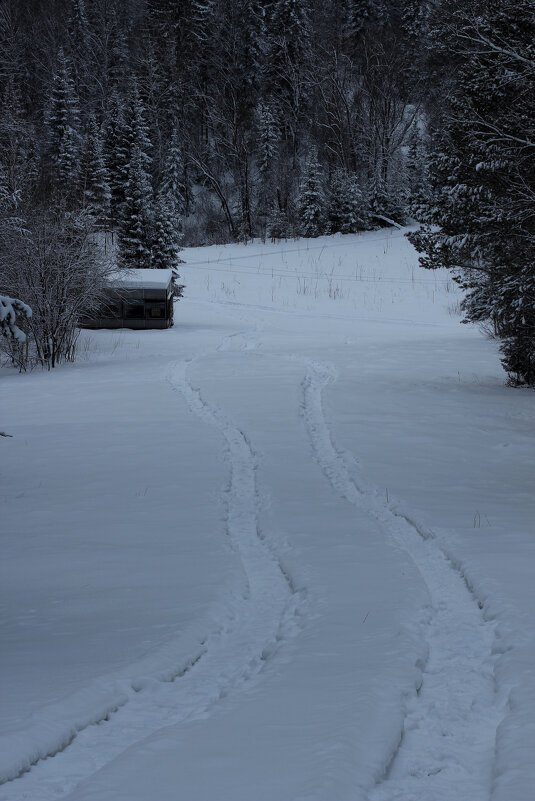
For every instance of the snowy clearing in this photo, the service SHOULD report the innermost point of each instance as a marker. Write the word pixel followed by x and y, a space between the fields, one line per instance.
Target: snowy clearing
pixel 279 552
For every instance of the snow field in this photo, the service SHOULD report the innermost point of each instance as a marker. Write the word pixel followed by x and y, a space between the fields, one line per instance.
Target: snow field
pixel 377 479
pixel 447 744
pixel 298 731
pixel 369 274
pixel 264 615
pixel 452 449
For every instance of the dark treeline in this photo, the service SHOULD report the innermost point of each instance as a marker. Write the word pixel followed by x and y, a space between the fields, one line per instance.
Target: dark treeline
pixel 212 120
pixel 220 111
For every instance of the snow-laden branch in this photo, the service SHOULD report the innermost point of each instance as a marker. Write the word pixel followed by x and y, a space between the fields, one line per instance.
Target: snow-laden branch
pixel 387 220
pixel 9 309
pixel 479 38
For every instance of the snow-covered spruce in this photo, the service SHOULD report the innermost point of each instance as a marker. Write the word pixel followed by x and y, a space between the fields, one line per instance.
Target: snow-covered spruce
pixel 447 746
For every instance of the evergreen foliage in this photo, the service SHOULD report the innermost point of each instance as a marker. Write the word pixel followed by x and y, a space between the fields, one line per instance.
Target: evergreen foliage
pixel 483 175
pixel 166 235
pixel 174 186
pixel 268 135
pixel 416 183
pixel 311 201
pixel 117 154
pixel 278 226
pixel 94 176
pixel 63 120
pixel 89 111
pixel 346 209
pixel 136 225
pixel 12 312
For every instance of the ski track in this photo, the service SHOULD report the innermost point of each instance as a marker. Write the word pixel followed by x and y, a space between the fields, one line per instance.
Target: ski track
pixel 264 614
pixel 447 746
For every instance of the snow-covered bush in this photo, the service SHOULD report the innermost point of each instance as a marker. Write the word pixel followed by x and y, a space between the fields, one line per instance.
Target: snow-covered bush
pixel 55 265
pixel 14 342
pixel 10 309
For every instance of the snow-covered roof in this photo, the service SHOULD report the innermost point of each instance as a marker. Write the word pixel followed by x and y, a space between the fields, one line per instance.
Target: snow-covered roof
pixel 141 279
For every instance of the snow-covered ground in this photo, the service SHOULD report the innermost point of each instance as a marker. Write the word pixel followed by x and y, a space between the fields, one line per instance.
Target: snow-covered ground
pixel 280 552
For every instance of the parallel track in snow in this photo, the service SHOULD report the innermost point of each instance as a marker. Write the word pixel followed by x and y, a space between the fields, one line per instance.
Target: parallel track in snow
pixel 446 749
pixel 262 616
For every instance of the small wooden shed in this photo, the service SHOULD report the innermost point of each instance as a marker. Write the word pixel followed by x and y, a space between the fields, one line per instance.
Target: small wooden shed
pixel 135 299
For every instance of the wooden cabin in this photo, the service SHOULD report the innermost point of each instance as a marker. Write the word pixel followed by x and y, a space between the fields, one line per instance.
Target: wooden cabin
pixel 137 299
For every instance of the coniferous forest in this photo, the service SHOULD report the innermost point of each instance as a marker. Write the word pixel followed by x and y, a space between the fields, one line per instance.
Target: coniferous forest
pixel 166 122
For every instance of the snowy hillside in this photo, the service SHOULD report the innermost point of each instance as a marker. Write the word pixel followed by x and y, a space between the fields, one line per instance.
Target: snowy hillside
pixel 281 551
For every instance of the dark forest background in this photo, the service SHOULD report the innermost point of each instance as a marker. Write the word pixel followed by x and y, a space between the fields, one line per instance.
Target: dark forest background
pixel 195 121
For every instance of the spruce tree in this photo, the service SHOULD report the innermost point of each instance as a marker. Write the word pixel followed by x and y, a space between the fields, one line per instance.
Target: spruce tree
pixel 173 184
pixel 268 138
pixel 202 16
pixel 117 153
pixel 94 183
pixel 80 47
pixel 166 235
pixel 311 201
pixel 278 226
pixel 136 225
pixel 416 173
pixel 346 208
pixel 288 54
pixel 137 129
pixel 482 174
pixel 63 123
pixel 17 147
pixel 268 141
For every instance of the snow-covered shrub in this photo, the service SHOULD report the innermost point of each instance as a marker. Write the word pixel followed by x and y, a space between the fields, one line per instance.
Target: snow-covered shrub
pixel 10 310
pixel 55 266
pixel 14 342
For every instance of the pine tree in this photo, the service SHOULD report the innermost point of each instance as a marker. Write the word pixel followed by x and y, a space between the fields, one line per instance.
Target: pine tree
pixel 202 19
pixel 387 201
pixel 79 41
pixel 137 128
pixel 268 137
pixel 346 211
pixel 5 195
pixel 173 184
pixel 166 234
pixel 136 225
pixel 358 13
pixel 117 153
pixel 278 226
pixel 17 148
pixel 127 140
pixel 482 174
pixel 416 173
pixel 268 141
pixel 288 53
pixel 94 183
pixel 251 26
pixel 63 122
pixel 311 201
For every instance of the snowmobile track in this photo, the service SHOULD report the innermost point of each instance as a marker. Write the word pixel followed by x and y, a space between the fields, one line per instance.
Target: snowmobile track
pixel 447 745
pixel 264 613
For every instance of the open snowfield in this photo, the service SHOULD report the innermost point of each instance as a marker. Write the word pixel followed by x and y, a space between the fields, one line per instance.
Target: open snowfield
pixel 282 551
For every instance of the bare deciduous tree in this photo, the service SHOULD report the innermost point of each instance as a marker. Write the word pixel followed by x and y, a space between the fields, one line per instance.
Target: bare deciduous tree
pixel 54 263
